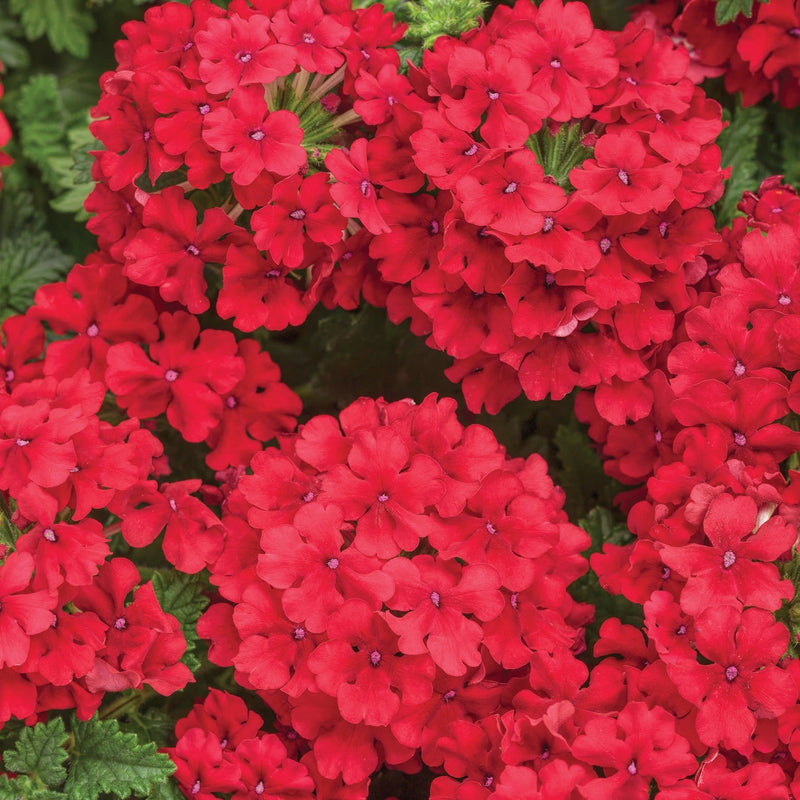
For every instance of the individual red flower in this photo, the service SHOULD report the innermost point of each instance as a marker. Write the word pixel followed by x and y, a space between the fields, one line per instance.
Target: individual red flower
pixel 731 571
pixel 742 682
pixel 239 51
pixel 437 595
pixel 624 178
pixel 313 35
pixel 184 380
pixel 251 138
pixel 23 613
pixel 201 770
pixel 267 771
pixel 359 665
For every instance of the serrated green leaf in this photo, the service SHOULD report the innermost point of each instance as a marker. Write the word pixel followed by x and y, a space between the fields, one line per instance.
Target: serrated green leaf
pixel 74 171
pixel 67 27
pixel 599 523
pixel 40 116
pixel 27 262
pixel 40 752
pixel 727 10
pixel 104 759
pixel 165 791
pixel 24 788
pixel 181 595
pixel 580 473
pixel 739 144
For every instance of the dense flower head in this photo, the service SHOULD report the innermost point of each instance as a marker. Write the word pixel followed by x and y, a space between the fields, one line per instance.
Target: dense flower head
pixel 756 52
pixel 572 171
pixel 384 544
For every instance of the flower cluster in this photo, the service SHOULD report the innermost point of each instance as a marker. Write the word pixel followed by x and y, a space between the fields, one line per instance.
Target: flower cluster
pixel 714 558
pixel 759 55
pixel 383 575
pixel 538 204
pixel 225 119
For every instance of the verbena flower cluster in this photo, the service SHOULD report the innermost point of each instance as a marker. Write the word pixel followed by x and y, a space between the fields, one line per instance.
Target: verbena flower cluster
pixel 388 582
pixel 759 55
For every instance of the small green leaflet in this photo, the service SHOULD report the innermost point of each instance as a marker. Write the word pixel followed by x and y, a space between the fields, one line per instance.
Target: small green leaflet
pixel 99 758
pixel 105 759
pixel 40 752
pixel 727 10
pixel 67 26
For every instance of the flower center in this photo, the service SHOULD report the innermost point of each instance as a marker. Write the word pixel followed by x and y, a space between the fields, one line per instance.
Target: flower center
pixel 120 623
pixel 383 497
pixel 49 534
pixel 632 770
pixel 92 330
pixel 448 695
pixel 511 188
pixel 146 136
pixel 192 250
pixel 738 369
pixel 434 227
pixel 514 601
pixel 172 504
pixel 605 245
pixel 657 436
pixel 298 214
pixel 547 225
pixel 308 38
pixel 23 442
pixel 365 187
pixel 662 229
pixel 665 573
pixel 332 563
pixel 196 787
pixel 170 375
pixel 257 135
pixel 231 402
pixel 436 599
pixel 204 108
pixel 731 673
pixel 631 81
pixel 374 658
pixel 471 150
pixel 784 300
pixel 308 497
pixel 259 788
pixel 492 94
pixel 555 63
pixel 728 559
pixel 681 630
pixel 299 633
pixel 740 440
pixel 244 57
pixel 10 375
pixel 624 177
pixel 794 32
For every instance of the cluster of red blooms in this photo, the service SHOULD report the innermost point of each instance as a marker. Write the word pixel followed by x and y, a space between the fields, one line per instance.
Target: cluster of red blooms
pixel 391 581
pixel 758 55
pixel 242 104
pixel 546 212
pixel 713 560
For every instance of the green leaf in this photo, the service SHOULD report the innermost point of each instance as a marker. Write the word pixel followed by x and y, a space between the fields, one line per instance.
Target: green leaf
pixel 12 54
pixel 181 595
pixel 789 130
pixel 727 10
pixel 40 753
pixel 581 472
pixel 67 27
pixel 739 144
pixel 74 171
pixel 599 523
pixel 24 788
pixel 40 117
pixel 104 759
pixel 165 791
pixel 26 262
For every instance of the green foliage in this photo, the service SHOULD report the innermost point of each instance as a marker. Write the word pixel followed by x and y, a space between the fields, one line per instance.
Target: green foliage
pixel 739 144
pixel 580 472
pixel 65 24
pixel 40 119
pixel 182 596
pixel 788 130
pixel 96 759
pixel 104 759
pixel 40 752
pixel 726 11
pixel 13 54
pixel 74 171
pixel 26 262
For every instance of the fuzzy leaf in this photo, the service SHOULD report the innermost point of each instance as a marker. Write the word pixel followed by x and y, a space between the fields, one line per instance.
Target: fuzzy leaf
pixel 40 752
pixel 181 595
pixel 104 759
pixel 168 790
pixel 24 788
pixel 74 171
pixel 26 262
pixel 739 143
pixel 727 10
pixel 66 25
pixel 40 117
